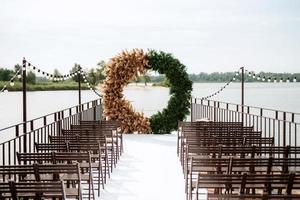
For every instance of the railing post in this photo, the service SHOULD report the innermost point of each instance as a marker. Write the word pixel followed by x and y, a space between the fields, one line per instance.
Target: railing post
pixel 284 128
pixel 227 113
pixel 242 91
pixel 94 112
pixel 195 109
pixel 45 120
pixel 215 113
pixel 24 105
pixel 58 123
pixel 31 125
pixel 17 131
pixel 192 109
pixel 219 112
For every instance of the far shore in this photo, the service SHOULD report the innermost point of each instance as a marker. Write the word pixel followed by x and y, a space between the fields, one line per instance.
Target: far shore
pixel 64 86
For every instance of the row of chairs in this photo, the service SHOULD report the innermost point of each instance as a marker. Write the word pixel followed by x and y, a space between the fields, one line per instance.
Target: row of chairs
pixel 39 181
pixel 76 160
pixel 216 157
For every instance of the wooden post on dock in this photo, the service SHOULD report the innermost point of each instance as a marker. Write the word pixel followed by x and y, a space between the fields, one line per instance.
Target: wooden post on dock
pixel 242 91
pixel 24 104
pixel 79 90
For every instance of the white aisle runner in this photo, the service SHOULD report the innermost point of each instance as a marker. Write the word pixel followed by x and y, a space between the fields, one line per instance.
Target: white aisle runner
pixel 149 169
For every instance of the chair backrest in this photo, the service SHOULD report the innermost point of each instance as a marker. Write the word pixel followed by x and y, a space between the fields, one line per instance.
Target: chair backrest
pixel 243 151
pixel 240 183
pixel 61 157
pixel 5 190
pixel 37 190
pixel 48 147
pixel 82 132
pixel 78 146
pixel 56 170
pixel 15 172
pixel 30 158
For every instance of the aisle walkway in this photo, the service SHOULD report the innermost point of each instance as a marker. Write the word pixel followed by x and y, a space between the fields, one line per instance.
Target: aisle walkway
pixel 148 170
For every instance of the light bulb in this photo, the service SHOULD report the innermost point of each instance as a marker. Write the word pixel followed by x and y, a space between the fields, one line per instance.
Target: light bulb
pixel 19 76
pixel 12 83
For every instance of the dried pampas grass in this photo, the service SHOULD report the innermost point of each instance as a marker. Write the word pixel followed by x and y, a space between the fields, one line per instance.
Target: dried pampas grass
pixel 120 70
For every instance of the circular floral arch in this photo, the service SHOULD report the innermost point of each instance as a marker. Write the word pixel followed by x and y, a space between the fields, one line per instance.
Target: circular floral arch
pixel 126 66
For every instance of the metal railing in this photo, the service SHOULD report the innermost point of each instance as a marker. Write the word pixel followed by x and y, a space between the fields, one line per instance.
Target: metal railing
pixel 39 129
pixel 281 125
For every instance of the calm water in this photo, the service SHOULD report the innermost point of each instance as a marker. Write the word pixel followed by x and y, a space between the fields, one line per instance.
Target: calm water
pixel 280 96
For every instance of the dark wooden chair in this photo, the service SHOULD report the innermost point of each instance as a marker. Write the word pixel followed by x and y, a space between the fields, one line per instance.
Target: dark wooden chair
pixel 108 155
pixel 5 191
pixel 85 163
pixel 83 158
pixel 69 173
pixel 16 172
pixel 37 190
pixel 246 186
pixel 98 153
pixel 90 136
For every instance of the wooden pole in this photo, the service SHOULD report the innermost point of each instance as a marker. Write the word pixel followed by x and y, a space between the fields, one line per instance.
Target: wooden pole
pixel 243 92
pixel 79 92
pixel 24 104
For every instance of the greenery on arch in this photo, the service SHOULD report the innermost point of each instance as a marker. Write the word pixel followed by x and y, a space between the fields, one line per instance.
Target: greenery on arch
pixel 180 91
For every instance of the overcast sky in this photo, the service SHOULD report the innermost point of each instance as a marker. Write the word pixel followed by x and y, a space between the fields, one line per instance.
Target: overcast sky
pixel 207 36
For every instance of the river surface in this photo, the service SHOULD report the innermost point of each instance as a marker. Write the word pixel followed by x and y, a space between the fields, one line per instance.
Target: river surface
pixel 281 96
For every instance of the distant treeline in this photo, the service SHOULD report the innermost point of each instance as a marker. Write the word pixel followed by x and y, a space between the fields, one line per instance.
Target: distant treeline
pixel 227 76
pixel 93 75
pixel 97 75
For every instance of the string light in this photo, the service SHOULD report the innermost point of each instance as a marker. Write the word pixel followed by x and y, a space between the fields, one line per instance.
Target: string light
pixel 223 87
pixel 270 79
pixel 49 75
pixel 11 81
pixel 84 76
